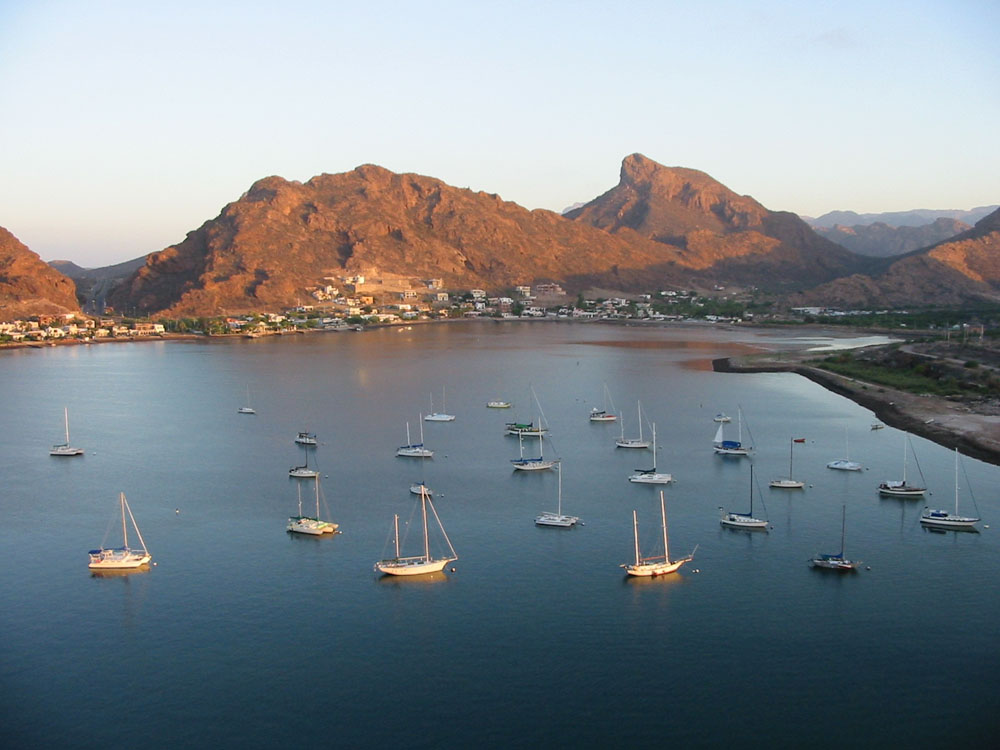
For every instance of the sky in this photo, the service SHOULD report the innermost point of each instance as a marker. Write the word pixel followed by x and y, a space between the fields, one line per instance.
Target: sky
pixel 126 124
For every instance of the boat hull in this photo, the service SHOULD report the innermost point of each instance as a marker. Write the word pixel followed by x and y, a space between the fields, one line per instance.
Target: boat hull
pixel 787 484
pixel 555 519
pixel 902 491
pixel 844 465
pixel 633 443
pixel 737 521
pixel 944 520
pixel 412 567
pixel 107 559
pixel 65 451
pixel 411 452
pixel 439 418
pixel 836 564
pixel 531 465
pixel 651 477
pixel 647 569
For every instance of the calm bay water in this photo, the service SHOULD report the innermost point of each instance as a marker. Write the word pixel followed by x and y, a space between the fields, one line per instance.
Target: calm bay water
pixel 245 635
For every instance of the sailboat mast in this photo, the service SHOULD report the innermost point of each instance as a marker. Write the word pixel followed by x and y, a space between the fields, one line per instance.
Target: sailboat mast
pixel 317 497
pixel 121 498
pixel 751 489
pixel 423 509
pixel 408 443
pixel 639 405
pixel 663 517
pixel 395 526
pixel 559 502
pixel 635 533
pixel 843 528
pixel 66 421
pixel 791 450
pixel 956 481
pixel 654 447
pixel 904 459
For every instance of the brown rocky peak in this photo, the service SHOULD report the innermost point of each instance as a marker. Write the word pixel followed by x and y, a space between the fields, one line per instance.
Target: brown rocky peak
pixel 28 285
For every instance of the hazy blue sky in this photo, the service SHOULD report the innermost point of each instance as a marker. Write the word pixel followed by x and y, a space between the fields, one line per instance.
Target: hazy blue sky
pixel 124 125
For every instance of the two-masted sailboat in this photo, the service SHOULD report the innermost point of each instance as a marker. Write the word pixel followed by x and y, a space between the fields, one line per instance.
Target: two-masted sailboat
pixel 414 450
pixel 417 564
pixel 657 565
pixel 301 524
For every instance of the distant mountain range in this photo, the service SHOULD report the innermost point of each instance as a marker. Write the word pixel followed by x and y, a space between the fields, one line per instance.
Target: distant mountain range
pixel 883 241
pixel 915 218
pixel 659 227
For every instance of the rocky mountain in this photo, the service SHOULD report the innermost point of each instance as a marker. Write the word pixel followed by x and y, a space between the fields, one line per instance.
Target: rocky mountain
pixel 965 268
pixel 915 218
pixel 719 233
pixel 28 285
pixel 267 249
pixel 882 240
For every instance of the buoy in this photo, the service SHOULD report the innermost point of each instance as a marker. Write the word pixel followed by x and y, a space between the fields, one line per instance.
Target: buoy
pixel 453 569
pixel 154 565
pixel 868 567
pixel 177 510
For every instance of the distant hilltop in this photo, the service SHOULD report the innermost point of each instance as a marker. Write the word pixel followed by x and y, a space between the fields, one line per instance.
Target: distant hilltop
pixel 660 227
pixel 915 218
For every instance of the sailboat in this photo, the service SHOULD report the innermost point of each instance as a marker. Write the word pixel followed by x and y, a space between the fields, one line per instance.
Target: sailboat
pixel 651 476
pixel 605 414
pixel 901 488
pixel 301 524
pixel 526 429
pixel 743 520
pixel 725 447
pixel 246 409
pixel 532 464
pixel 845 464
pixel 303 471
pixel 790 483
pixel 65 449
pixel 306 438
pixel 945 520
pixel 124 557
pixel 498 404
pixel 548 518
pixel 439 416
pixel 838 561
pixel 418 564
pixel 418 487
pixel 660 564
pixel 720 417
pixel 624 442
pixel 414 450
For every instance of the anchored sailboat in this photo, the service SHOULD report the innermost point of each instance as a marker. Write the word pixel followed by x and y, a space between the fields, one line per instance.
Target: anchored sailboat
pixel 435 416
pixel 845 464
pixel 414 450
pixel 606 414
pixel 725 447
pixel 789 483
pixel 902 488
pixel 65 449
pixel 548 518
pixel 744 520
pixel 124 557
pixel 651 476
pixel 838 561
pixel 417 564
pixel 945 520
pixel 246 409
pixel 624 442
pixel 301 524
pixel 532 464
pixel 657 565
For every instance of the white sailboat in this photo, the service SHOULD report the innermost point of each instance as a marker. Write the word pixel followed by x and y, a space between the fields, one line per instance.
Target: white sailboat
pixel 660 564
pixel 606 414
pixel 945 520
pixel 744 520
pixel 124 557
pixel 65 449
pixel 498 404
pixel 306 438
pixel 246 409
pixel 720 417
pixel 548 518
pixel 301 524
pixel 414 450
pixel 838 561
pixel 789 483
pixel 901 488
pixel 418 487
pixel 845 464
pixel 651 476
pixel 418 564
pixel 435 416
pixel 725 447
pixel 638 443
pixel 303 471
pixel 532 464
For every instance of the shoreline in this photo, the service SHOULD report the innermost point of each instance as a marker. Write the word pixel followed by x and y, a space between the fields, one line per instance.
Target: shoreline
pixel 951 424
